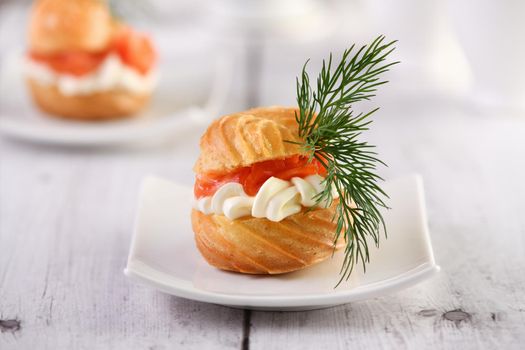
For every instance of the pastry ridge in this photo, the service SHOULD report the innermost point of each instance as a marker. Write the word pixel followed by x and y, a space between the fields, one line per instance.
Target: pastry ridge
pixel 241 139
pixel 260 246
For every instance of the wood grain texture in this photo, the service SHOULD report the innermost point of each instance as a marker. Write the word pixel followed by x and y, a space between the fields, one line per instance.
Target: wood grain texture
pixel 66 219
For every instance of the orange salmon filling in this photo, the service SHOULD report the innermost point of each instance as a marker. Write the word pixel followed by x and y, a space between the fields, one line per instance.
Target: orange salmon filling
pixel 134 49
pixel 253 177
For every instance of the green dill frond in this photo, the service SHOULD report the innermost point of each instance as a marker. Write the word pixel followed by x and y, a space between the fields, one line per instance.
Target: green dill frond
pixel 331 132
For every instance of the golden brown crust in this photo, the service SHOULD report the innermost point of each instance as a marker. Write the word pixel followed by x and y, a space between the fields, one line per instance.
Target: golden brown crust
pixel 68 25
pixel 93 107
pixel 260 246
pixel 244 138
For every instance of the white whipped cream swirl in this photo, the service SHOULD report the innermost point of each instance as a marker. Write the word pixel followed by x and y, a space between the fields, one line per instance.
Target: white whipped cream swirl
pixel 275 200
pixel 112 74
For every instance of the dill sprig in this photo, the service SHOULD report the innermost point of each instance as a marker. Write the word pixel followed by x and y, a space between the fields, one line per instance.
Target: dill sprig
pixel 330 130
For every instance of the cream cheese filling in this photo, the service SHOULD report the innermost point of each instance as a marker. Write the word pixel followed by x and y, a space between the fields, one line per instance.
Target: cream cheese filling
pixel 112 74
pixel 275 200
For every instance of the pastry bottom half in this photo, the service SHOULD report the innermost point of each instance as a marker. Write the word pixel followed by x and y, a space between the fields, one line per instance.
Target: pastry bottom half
pixel 101 106
pixel 260 246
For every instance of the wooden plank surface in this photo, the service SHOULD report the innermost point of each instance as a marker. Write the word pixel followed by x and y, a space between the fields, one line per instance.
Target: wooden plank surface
pixel 66 218
pixel 65 228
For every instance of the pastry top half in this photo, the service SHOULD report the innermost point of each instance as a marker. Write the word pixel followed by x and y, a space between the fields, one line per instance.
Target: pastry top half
pixel 241 139
pixel 70 25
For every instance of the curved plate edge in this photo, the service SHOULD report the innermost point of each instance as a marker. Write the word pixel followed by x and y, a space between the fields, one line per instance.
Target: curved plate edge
pixel 298 302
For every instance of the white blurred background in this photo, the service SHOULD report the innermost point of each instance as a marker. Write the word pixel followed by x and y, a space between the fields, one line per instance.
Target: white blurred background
pixel 466 50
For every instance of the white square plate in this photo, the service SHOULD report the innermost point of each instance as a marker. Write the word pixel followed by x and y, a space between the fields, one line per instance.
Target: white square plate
pixel 163 255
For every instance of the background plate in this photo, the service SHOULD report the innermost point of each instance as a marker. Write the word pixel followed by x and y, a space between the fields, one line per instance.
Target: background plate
pixel 185 96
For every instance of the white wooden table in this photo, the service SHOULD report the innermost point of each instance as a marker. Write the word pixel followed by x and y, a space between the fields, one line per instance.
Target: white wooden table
pixel 66 217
